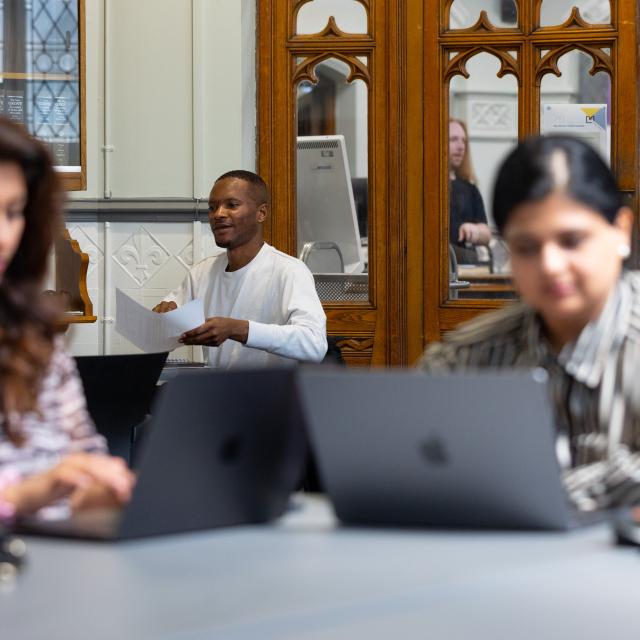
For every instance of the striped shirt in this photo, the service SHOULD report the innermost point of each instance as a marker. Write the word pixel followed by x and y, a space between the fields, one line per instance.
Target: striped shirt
pixel 594 384
pixel 60 425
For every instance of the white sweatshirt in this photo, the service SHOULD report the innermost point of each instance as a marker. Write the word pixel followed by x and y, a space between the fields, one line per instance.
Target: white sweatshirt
pixel 275 293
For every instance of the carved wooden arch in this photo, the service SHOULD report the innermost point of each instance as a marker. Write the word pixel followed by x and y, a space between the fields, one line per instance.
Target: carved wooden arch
pixel 508 64
pixel 306 69
pixel 575 20
pixel 482 25
pixel 549 62
pixel 331 29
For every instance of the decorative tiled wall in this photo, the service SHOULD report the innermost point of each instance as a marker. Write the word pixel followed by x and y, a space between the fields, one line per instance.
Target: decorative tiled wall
pixel 146 260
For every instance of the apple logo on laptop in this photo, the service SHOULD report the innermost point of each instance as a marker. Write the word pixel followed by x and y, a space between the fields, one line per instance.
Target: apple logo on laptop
pixel 434 450
pixel 230 449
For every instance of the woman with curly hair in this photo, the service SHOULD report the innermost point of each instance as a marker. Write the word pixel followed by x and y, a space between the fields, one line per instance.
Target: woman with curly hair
pixel 49 449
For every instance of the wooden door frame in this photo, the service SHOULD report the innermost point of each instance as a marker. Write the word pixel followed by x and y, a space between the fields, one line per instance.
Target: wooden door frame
pixel 374 332
pixel 429 194
pixel 409 306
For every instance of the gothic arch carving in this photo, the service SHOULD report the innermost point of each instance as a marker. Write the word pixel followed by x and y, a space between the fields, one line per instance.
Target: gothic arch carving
pixel 331 29
pixel 575 20
pixel 549 62
pixel 306 69
pixel 458 65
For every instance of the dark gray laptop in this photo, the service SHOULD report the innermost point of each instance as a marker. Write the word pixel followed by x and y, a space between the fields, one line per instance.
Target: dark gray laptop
pixel 119 390
pixel 225 448
pixel 403 448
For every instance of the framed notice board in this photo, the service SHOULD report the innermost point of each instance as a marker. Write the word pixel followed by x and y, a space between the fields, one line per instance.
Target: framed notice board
pixel 42 78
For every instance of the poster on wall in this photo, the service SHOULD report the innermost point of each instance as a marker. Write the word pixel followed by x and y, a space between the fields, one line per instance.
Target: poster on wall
pixel 588 122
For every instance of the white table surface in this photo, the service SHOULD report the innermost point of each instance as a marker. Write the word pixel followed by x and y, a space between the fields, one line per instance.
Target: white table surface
pixel 307 578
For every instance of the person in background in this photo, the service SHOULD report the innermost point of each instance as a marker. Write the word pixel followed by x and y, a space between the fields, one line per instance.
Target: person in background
pixel 569 232
pixel 49 449
pixel 261 304
pixel 467 218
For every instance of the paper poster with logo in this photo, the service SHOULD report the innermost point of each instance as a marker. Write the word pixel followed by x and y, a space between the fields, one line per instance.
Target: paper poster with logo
pixel 588 122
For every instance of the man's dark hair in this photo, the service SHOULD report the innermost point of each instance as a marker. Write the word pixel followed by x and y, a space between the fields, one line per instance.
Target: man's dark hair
pixel 542 165
pixel 258 185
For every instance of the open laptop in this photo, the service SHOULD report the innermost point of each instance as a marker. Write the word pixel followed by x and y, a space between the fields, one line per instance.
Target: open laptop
pixel 225 448
pixel 404 448
pixel 119 391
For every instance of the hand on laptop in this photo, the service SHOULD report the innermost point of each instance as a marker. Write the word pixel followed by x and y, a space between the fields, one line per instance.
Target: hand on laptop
pixel 163 307
pixel 81 476
pixel 216 330
pixel 96 496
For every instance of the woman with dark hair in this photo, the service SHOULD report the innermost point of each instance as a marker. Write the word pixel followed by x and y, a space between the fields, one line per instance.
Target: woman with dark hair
pixel 467 218
pixel 49 449
pixel 569 232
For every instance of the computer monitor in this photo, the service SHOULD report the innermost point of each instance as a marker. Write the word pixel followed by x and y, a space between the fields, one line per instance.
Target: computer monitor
pixel 328 234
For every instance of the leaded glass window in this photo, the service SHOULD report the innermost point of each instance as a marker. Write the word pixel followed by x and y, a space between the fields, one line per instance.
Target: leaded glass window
pixel 40 82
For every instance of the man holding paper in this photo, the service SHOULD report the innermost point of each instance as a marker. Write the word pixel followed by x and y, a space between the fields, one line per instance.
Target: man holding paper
pixel 261 304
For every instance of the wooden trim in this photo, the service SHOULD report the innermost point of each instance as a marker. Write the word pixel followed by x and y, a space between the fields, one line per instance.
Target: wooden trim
pixel 529 39
pixel 418 206
pixel 407 45
pixel 77 181
pixel 73 181
pixel 82 35
pixel 396 286
pixel 285 58
pixel 71 277
pixel 306 69
pixel 331 27
pixel 9 75
pixel 68 319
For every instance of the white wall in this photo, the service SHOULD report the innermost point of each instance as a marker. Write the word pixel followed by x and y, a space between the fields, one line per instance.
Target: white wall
pixel 149 98
pixel 179 95
pixel 172 83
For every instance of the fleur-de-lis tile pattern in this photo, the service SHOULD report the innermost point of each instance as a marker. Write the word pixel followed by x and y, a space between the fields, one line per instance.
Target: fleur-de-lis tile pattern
pixel 141 255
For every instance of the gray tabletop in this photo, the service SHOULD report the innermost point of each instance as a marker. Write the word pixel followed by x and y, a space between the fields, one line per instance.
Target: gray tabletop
pixel 306 578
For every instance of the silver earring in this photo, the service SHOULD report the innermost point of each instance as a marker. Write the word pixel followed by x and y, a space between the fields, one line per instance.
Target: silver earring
pixel 624 251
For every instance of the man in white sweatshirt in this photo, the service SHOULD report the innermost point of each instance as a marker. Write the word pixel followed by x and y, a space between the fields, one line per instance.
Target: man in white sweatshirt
pixel 261 304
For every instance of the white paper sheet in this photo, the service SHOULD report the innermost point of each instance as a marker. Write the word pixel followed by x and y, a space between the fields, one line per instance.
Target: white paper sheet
pixel 155 332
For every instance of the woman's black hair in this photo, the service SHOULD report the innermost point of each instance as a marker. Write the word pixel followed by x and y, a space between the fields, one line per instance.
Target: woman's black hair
pixel 542 165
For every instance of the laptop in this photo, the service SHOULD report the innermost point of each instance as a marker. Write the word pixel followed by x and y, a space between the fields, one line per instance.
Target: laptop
pixel 119 391
pixel 225 448
pixel 404 448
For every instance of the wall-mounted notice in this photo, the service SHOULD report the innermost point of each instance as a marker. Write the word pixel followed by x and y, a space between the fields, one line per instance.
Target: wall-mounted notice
pixel 13 105
pixel 51 117
pixel 586 121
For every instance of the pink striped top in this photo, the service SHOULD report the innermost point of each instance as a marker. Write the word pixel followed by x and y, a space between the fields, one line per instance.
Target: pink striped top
pixel 61 425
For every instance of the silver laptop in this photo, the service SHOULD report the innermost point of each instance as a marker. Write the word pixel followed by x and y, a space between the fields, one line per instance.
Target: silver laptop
pixel 225 448
pixel 404 448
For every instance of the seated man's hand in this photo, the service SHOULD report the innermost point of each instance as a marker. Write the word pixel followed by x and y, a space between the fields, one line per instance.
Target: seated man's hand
pixel 216 330
pixel 163 307
pixel 474 232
